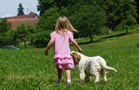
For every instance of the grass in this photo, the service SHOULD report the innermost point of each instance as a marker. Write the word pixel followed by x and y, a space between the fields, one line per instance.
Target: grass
pixel 30 69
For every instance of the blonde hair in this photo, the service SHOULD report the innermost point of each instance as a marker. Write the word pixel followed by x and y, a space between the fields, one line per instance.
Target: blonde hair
pixel 64 24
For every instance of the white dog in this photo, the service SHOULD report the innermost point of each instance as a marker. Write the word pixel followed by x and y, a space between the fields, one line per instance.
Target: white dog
pixel 89 66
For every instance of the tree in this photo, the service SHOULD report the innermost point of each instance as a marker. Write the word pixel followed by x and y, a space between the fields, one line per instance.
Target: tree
pixel 137 4
pixel 89 19
pixel 4 25
pixel 11 37
pixel 4 29
pixel 47 4
pixel 129 14
pixel 20 10
pixel 30 32
pixel 48 20
pixel 42 38
pixel 8 38
pixel 44 5
pixel 121 13
pixel 22 33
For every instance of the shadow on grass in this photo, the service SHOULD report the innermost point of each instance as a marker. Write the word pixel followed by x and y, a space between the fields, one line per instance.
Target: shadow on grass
pixel 137 45
pixel 88 42
pixel 118 35
pixel 99 40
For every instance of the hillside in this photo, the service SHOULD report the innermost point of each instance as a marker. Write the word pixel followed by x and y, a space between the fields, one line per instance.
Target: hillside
pixel 119 40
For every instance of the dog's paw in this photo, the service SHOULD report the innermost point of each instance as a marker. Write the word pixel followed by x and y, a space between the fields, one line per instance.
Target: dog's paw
pixel 96 81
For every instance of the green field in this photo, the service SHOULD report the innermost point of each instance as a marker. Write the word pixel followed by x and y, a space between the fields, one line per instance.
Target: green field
pixel 27 69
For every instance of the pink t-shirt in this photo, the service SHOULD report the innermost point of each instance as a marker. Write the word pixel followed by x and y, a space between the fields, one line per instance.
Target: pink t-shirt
pixel 61 44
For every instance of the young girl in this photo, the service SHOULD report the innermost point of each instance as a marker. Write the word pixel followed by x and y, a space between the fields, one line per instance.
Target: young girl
pixel 60 38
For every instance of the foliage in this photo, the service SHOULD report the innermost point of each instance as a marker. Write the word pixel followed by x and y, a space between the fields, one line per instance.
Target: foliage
pixel 11 36
pixel 89 19
pixel 47 4
pixel 22 33
pixel 5 35
pixel 25 33
pixel 121 13
pixel 137 4
pixel 30 32
pixel 48 19
pixel 44 5
pixel 42 38
pixel 8 38
pixel 4 25
pixel 20 10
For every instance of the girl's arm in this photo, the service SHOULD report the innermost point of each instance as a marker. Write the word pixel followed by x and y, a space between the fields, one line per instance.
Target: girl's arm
pixel 51 42
pixel 76 44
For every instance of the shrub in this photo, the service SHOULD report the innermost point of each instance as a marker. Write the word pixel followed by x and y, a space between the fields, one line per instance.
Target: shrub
pixel 42 38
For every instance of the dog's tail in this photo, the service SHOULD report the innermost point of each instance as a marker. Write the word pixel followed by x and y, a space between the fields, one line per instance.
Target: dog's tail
pixel 107 68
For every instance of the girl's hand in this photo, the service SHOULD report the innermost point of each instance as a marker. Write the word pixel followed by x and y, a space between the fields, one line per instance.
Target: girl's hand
pixel 80 50
pixel 46 52
pixel 51 42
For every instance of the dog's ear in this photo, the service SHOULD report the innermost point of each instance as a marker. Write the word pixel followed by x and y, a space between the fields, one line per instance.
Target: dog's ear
pixel 76 57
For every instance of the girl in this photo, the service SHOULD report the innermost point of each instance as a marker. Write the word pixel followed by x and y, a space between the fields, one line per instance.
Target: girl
pixel 60 38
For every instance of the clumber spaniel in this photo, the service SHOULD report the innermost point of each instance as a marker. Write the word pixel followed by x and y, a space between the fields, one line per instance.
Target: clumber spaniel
pixel 89 66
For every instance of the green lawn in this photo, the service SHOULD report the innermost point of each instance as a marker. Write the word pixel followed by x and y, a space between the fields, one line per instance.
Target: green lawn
pixel 30 69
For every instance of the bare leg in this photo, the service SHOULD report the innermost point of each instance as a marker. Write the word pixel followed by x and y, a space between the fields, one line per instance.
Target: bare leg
pixel 68 74
pixel 59 73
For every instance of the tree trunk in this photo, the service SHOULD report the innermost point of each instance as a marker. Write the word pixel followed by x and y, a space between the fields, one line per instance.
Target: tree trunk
pixel 25 43
pixel 31 41
pixel 91 38
pixel 126 30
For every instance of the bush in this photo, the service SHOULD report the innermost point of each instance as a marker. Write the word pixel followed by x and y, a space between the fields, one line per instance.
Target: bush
pixel 42 39
pixel 8 38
